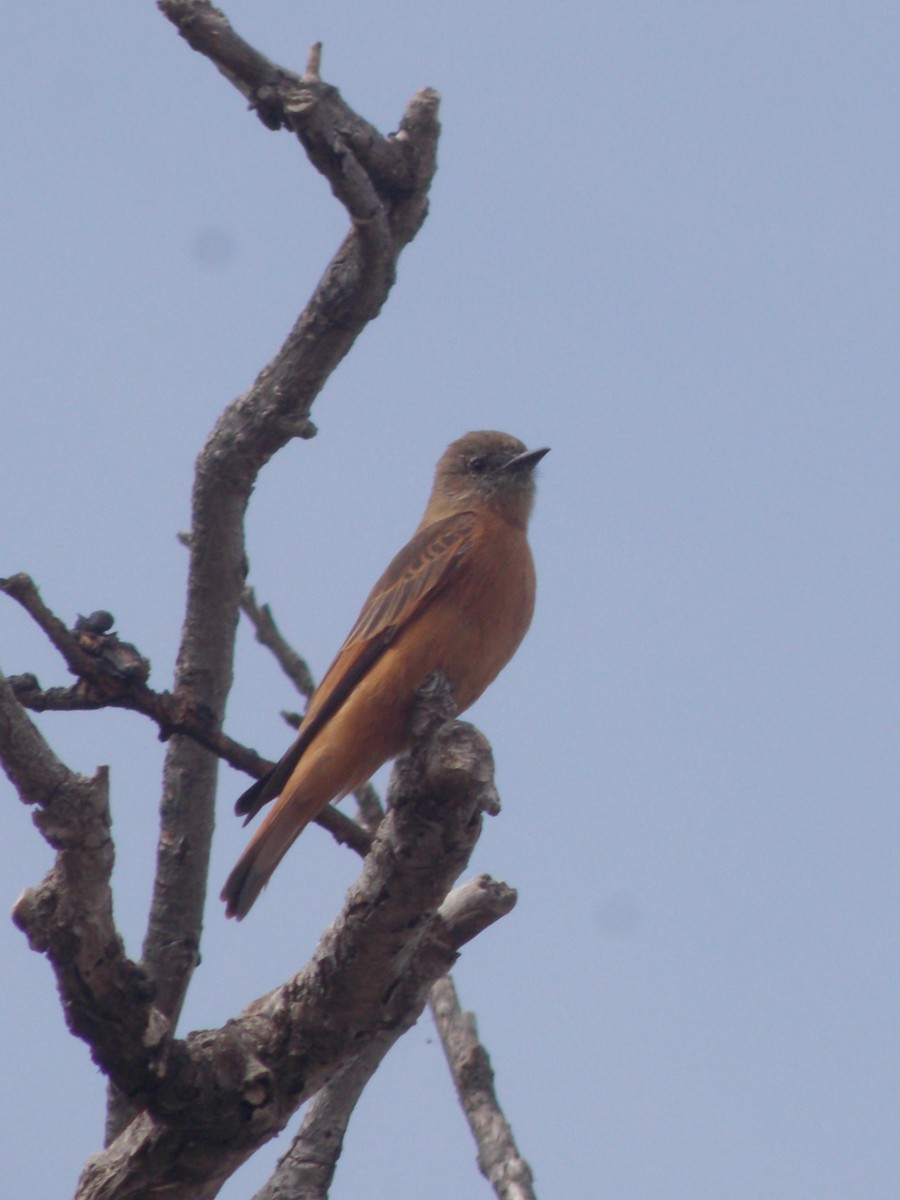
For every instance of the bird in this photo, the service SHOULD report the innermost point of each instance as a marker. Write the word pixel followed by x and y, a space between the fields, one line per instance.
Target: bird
pixel 458 598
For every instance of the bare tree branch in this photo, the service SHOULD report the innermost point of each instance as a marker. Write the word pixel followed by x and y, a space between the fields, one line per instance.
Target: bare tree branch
pixel 89 651
pixel 305 1172
pixel 112 674
pixel 383 183
pixel 498 1156
pixel 184 1114
pixel 269 635
pixel 296 669
pixel 106 998
pixel 277 95
pixel 368 806
pixel 368 979
pixel 215 1098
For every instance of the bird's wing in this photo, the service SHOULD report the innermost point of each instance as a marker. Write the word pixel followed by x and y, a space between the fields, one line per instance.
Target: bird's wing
pixel 421 570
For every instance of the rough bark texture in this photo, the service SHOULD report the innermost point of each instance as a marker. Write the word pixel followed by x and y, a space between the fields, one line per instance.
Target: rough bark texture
pixel 383 184
pixel 210 1100
pixel 184 1113
pixel 305 1172
pixel 498 1156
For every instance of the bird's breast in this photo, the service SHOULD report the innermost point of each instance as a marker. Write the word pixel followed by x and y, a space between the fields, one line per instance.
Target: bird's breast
pixel 473 627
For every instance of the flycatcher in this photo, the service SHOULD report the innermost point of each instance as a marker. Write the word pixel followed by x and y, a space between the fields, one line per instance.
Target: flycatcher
pixel 458 598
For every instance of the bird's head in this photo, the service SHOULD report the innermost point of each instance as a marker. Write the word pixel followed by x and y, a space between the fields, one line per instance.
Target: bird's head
pixel 486 469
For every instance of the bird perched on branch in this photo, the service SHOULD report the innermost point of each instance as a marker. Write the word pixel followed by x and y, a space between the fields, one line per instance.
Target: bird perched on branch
pixel 458 598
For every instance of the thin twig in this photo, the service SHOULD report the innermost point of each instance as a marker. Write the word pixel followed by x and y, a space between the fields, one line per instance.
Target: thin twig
pixel 108 678
pixel 269 635
pixel 314 62
pixel 370 809
pixel 498 1156
pixel 77 649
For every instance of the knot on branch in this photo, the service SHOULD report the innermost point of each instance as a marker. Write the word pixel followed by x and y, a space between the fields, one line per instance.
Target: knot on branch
pixel 460 759
pixel 116 661
pixel 448 758
pixel 104 664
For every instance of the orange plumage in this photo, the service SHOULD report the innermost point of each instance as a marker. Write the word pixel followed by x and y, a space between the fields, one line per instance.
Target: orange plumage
pixel 458 598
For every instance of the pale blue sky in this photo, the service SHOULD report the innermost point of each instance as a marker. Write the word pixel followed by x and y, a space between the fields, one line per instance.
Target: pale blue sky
pixel 663 241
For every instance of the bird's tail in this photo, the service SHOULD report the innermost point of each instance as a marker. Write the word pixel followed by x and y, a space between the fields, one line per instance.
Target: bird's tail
pixel 264 852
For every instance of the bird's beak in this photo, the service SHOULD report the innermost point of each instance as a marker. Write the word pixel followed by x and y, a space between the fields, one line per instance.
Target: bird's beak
pixel 527 460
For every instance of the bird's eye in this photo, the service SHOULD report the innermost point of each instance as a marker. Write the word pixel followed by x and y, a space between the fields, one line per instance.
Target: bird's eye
pixel 478 465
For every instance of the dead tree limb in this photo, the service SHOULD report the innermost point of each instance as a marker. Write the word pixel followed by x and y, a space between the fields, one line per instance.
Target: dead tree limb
pixel 112 674
pixel 210 1101
pixel 498 1156
pixel 383 183
pixel 107 999
pixel 206 1103
pixel 305 1172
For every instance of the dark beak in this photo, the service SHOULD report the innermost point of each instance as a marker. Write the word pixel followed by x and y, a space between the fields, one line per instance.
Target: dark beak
pixel 526 461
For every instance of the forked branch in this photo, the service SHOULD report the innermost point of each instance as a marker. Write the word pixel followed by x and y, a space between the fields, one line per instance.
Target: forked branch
pixel 214 1098
pixel 383 183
